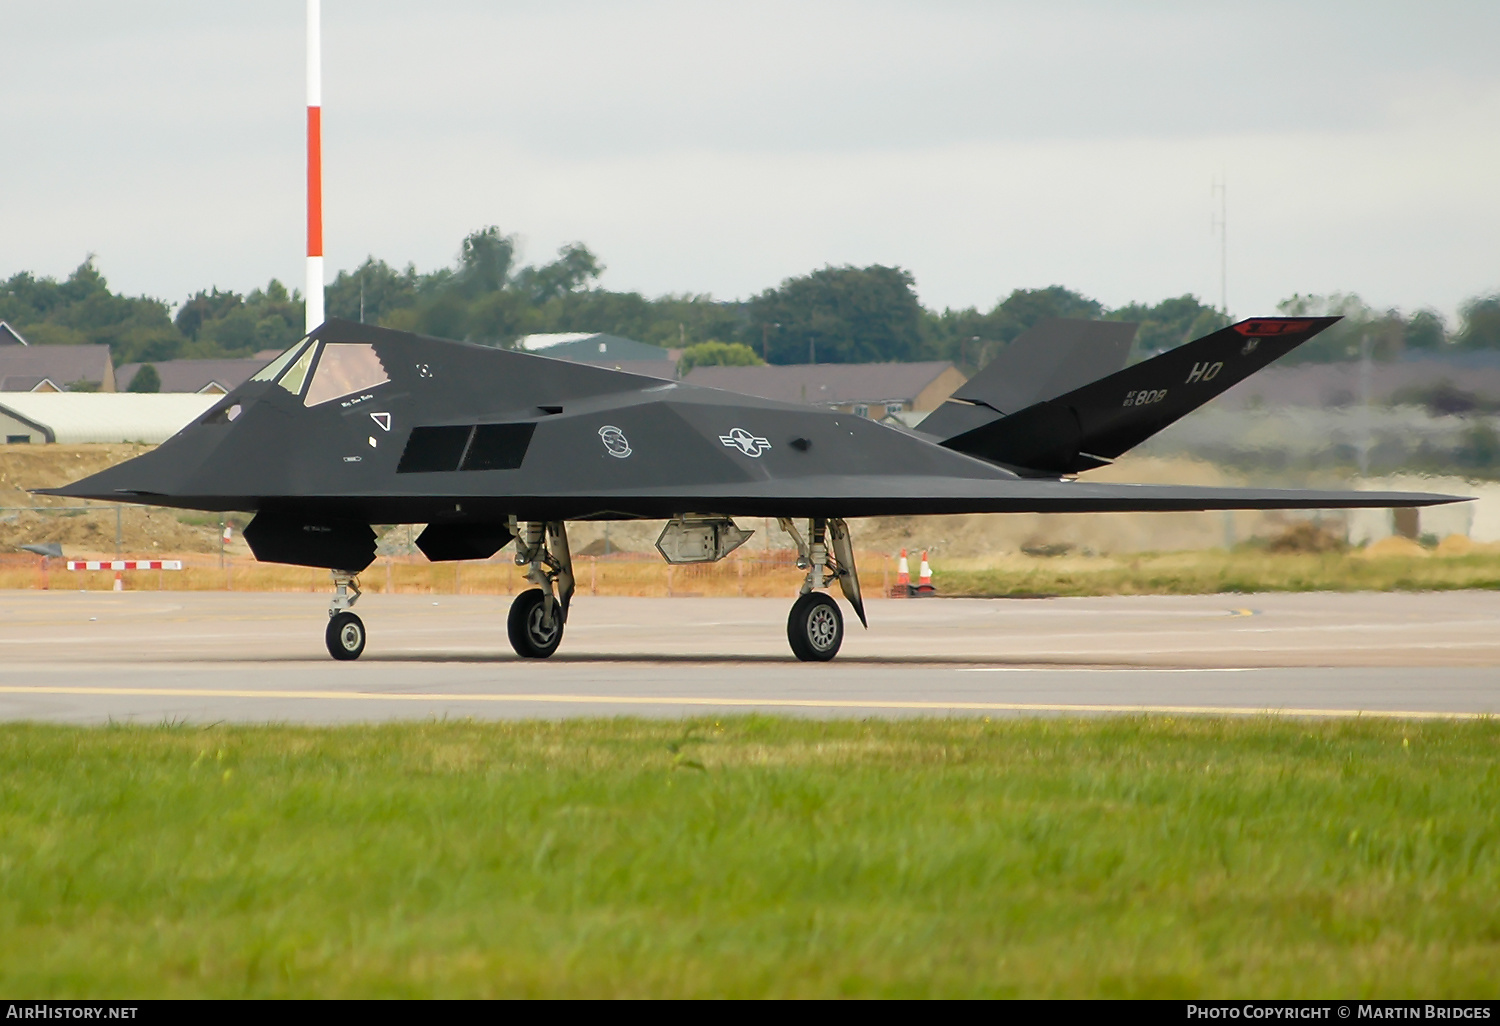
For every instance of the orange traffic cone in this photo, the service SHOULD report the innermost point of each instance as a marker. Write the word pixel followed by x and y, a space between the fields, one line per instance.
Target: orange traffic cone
pixel 903 578
pixel 924 582
pixel 119 581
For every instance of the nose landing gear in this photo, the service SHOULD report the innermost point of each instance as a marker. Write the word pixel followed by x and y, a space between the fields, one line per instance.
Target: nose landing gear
pixel 537 616
pixel 532 634
pixel 815 627
pixel 345 635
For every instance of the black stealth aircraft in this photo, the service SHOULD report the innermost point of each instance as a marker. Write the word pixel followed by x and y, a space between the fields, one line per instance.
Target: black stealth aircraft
pixel 356 425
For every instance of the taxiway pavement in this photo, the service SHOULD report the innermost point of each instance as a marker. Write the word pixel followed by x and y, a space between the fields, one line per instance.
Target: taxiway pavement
pixel 90 657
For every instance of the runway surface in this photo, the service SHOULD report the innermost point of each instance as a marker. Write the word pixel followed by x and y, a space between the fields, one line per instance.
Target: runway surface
pixel 211 656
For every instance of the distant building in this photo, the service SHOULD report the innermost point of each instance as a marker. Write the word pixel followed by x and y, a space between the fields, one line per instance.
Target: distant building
pixel 874 390
pixel 28 368
pixel 614 351
pixel 72 418
pixel 207 377
pixel 29 383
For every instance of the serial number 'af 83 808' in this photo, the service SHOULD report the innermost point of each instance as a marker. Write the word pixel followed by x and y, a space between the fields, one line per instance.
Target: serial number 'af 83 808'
pixel 356 425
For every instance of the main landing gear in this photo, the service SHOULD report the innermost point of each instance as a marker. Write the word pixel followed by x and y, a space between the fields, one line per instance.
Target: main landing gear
pixel 346 632
pixel 815 627
pixel 537 616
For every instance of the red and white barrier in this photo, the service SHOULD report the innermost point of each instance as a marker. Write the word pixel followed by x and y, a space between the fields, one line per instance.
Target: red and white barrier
pixel 125 564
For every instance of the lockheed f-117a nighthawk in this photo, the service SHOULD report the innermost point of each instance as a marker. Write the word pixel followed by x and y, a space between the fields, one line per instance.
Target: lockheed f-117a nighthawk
pixel 357 425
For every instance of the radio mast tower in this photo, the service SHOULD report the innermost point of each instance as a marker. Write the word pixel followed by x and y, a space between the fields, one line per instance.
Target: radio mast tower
pixel 314 295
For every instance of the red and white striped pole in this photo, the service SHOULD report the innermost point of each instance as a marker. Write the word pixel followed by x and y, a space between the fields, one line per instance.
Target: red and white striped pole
pixel 314 301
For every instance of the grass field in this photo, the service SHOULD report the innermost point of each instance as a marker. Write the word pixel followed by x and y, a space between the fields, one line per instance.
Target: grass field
pixel 1216 570
pixel 755 856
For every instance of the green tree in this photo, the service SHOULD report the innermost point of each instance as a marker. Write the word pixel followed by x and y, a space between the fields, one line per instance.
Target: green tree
pixel 487 298
pixel 668 321
pixel 575 269
pixel 228 324
pixel 50 333
pixel 1361 326
pixel 718 354
pixel 840 315
pixel 1023 308
pixel 1168 324
pixel 146 380
pixel 499 318
pixel 972 339
pixel 82 309
pixel 484 262
pixel 1481 323
pixel 684 320
pixel 372 291
pixel 203 307
pixel 837 314
pixel 619 313
pixel 1426 330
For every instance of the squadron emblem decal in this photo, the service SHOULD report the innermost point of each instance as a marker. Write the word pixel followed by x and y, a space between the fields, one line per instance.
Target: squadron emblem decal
pixel 745 442
pixel 615 442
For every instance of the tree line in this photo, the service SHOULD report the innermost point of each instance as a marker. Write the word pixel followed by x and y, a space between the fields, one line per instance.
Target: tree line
pixel 831 315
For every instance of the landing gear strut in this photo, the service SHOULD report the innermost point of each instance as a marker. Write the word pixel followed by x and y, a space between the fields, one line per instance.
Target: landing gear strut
pixel 815 628
pixel 537 616
pixel 346 632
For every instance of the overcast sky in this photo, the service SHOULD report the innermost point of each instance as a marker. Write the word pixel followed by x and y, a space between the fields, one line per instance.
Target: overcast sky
pixel 704 147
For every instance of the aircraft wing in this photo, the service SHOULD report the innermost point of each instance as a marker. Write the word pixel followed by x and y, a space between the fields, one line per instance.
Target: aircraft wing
pixel 913 496
pixel 824 496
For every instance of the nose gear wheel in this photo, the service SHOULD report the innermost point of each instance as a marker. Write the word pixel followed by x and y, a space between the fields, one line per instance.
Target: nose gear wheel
pixel 345 636
pixel 531 635
pixel 815 628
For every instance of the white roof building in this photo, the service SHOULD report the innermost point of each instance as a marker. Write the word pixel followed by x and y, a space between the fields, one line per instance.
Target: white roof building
pixel 72 418
pixel 537 343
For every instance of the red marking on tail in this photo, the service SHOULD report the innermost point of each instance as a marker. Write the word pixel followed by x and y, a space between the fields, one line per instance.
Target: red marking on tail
pixel 1261 329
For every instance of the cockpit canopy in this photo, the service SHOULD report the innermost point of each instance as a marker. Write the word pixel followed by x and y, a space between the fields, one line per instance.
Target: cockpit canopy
pixel 335 369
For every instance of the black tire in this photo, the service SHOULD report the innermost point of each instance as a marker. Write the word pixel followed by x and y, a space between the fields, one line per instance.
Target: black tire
pixel 524 625
pixel 345 636
pixel 815 628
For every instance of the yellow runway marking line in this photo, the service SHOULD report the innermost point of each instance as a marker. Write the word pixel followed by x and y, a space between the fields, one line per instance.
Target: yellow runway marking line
pixel 747 703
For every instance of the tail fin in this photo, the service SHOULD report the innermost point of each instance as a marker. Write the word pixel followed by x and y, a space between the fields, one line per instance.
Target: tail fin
pixel 1091 425
pixel 1052 357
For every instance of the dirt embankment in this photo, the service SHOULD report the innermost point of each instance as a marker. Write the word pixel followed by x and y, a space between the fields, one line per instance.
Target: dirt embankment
pixel 92 528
